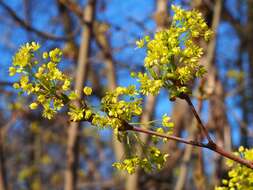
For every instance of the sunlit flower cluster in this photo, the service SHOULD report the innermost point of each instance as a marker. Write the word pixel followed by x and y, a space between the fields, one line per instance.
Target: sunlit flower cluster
pixel 171 62
pixel 154 160
pixel 122 103
pixel 40 76
pixel 172 56
pixel 239 177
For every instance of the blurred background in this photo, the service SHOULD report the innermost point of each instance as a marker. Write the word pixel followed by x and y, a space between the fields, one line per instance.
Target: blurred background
pixel 100 35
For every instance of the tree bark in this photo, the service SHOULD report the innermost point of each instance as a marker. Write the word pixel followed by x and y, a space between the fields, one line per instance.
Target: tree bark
pixel 248 91
pixel 217 112
pixel 70 49
pixel 3 180
pixel 81 76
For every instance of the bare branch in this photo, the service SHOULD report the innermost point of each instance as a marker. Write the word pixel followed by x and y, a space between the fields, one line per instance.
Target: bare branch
pixel 30 28
pixel 202 127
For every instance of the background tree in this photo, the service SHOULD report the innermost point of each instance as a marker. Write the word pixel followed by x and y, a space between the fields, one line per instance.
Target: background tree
pixel 224 97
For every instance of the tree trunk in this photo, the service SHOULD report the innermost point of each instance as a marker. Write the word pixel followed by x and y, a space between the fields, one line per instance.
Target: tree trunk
pixel 81 76
pixel 249 92
pixel 3 180
pixel 218 119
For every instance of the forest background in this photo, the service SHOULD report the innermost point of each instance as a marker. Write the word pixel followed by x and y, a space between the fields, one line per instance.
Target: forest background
pixel 36 153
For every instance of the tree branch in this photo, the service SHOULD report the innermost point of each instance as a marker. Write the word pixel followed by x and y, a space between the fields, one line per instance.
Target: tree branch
pixel 210 146
pixel 202 127
pixel 28 27
pixel 125 126
pixel 170 137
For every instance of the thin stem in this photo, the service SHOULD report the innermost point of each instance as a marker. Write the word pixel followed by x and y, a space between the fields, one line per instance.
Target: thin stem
pixel 196 115
pixel 211 146
pixel 171 137
pixel 145 123
pixel 231 156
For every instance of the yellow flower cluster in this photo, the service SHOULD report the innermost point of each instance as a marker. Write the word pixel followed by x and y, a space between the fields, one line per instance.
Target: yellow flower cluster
pixel 171 62
pixel 239 177
pixel 172 56
pixel 149 86
pixel 154 160
pixel 42 79
pixel 122 103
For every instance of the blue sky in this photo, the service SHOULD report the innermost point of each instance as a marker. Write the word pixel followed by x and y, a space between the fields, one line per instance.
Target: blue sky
pixel 118 13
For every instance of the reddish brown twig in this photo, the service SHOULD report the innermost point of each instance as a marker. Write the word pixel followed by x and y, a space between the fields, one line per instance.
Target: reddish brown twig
pixel 210 146
pixel 196 115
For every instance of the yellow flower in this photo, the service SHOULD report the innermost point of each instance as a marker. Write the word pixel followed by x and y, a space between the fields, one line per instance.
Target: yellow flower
pixel 33 106
pixel 12 71
pixel 41 98
pixel 87 90
pixel 166 121
pixel 73 95
pixel 241 149
pixel 140 43
pixel 66 85
pixel 45 55
pixel 16 85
